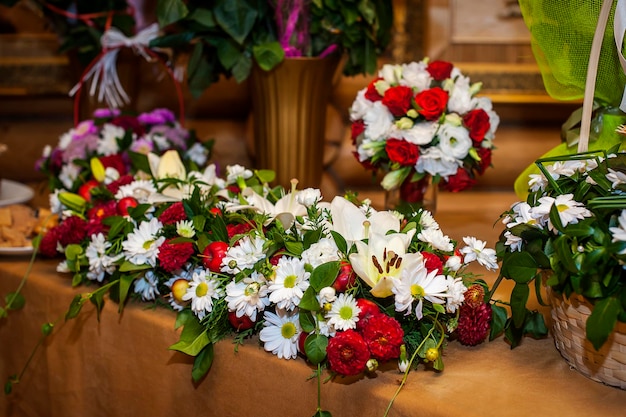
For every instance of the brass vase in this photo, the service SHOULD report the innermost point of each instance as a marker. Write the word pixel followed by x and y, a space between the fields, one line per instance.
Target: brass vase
pixel 289 109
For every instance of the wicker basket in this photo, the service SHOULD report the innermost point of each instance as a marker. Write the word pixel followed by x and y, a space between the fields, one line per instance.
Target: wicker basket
pixel 608 365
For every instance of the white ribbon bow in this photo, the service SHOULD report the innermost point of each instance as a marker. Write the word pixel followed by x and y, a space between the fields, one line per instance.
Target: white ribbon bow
pixel 103 73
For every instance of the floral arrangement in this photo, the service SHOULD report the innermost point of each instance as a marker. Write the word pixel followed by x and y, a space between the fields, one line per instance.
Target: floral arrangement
pixel 569 235
pixel 339 283
pixel 424 119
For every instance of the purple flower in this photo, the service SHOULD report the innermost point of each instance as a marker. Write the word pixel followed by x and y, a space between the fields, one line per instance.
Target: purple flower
pixel 157 117
pixel 86 127
pixel 104 113
pixel 142 145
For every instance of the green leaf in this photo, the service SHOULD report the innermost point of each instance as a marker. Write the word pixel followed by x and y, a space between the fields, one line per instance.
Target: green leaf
pixel 340 241
pixel 139 161
pixel 307 322
pixel 519 298
pixel 193 338
pixel 128 266
pixel 520 267
pixel 75 307
pixel 170 11
pixel 439 308
pixel 294 248
pixel 228 53
pixel 315 347
pixel 498 321
pixel 555 218
pixel 602 320
pixel 265 175
pixel 241 69
pixel 97 299
pixel 236 17
pixel 563 249
pixel 202 363
pixel 535 325
pixel 322 413
pixel 268 55
pixel 309 300
pixel 8 387
pixel 125 283
pixel 324 275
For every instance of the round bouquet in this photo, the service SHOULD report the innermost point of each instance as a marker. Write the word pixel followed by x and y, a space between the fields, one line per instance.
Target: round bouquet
pixel 113 146
pixel 339 283
pixel 424 119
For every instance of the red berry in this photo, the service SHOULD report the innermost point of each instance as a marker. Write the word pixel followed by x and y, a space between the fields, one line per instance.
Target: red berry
pixel 213 255
pixel 124 203
pixel 85 189
pixel 240 323
pixel 368 308
pixel 215 211
pixel 346 277
pixel 301 340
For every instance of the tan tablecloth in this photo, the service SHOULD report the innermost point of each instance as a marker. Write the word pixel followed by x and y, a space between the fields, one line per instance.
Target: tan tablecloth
pixel 121 366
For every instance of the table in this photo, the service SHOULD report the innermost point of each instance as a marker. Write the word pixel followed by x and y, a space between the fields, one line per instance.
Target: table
pixel 120 366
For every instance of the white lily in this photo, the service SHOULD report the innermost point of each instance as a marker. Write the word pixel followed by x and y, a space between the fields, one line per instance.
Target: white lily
pixel 169 165
pixel 351 223
pixel 380 261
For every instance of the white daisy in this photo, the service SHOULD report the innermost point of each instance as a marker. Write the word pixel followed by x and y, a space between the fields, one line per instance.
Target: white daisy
pixel 245 254
pixel 147 286
pixel 248 296
pixel 619 232
pixel 417 284
pixel 280 334
pixel 139 189
pixel 290 283
pixel 512 241
pixel 617 178
pixel 344 312
pixel 69 173
pixel 570 210
pixel 141 246
pixel 203 289
pixel 476 251
pixel 100 263
pixel 185 228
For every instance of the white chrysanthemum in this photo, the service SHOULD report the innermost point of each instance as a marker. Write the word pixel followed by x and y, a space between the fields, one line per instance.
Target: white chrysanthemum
pixel 414 75
pixel 327 295
pixel 360 106
pixel 141 190
pixel 245 254
pixel 280 334
pixel 417 284
pixel 454 141
pixel 378 122
pixel 147 286
pixel 185 228
pixel 617 178
pixel 203 289
pixel 570 210
pixel 513 242
pixel 322 251
pixel 290 283
pixel 111 175
pixel 418 134
pixel 427 220
pixel 435 162
pixel 248 296
pixel 476 251
pixel 159 139
pixel 237 171
pixel 309 197
pixel 436 239
pixel 344 312
pixel 141 246
pixel 100 263
pixel 522 214
pixel 65 139
pixel 456 294
pixel 619 232
pixel 323 327
pixel 69 173
pixel 454 263
pixel 107 144
pixel 197 154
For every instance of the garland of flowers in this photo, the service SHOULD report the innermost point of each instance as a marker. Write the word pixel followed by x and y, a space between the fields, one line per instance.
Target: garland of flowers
pixel 339 283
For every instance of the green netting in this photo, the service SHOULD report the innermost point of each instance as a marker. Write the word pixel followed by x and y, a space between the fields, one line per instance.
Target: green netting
pixel 561 35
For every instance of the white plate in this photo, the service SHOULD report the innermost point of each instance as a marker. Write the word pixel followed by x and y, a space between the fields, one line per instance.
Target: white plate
pixel 24 250
pixel 12 192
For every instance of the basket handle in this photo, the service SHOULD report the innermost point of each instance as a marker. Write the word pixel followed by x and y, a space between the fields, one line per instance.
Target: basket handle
pixel 592 72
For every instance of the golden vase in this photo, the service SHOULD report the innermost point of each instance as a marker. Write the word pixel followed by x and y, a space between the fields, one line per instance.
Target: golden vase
pixel 289 109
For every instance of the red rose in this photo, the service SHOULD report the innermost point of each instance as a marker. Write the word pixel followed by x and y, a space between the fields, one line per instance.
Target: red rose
pixel 114 161
pixel 357 128
pixel 459 181
pixel 347 353
pixel 371 94
pixel 402 152
pixel 173 256
pixel 173 214
pixel 439 70
pixel 473 325
pixel 433 262
pixel 431 103
pixel 398 100
pixel 383 336
pixel 477 121
pixel 485 160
